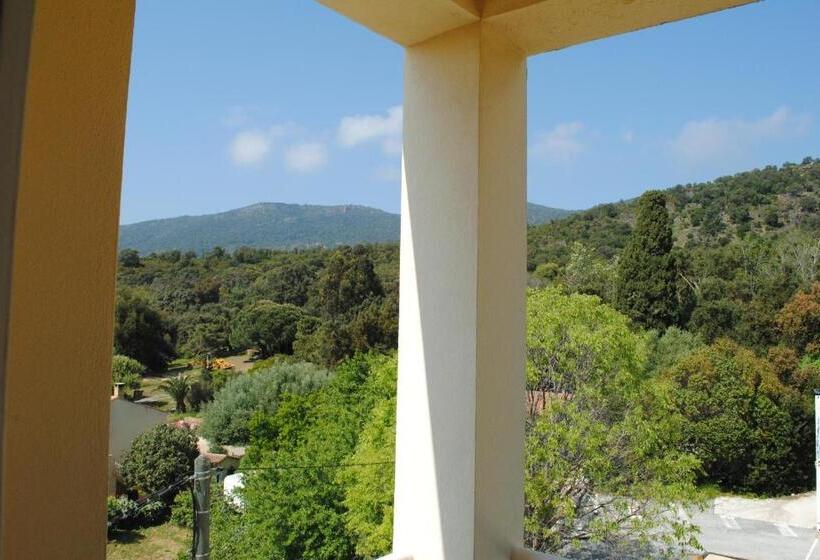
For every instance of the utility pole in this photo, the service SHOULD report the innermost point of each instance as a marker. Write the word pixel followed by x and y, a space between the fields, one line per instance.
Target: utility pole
pixel 202 508
pixel 817 457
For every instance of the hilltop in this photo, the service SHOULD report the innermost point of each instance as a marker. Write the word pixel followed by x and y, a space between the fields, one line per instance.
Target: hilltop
pixel 279 226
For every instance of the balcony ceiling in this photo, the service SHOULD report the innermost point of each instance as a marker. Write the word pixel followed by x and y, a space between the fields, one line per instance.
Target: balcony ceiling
pixel 535 25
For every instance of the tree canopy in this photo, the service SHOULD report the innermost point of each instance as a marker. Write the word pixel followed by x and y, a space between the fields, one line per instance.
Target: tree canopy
pixel 227 419
pixel 267 326
pixel 603 454
pixel 141 330
pixel 158 458
pixel 647 271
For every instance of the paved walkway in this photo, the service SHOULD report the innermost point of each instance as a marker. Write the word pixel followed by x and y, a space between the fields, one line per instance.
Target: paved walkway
pixel 798 510
pixel 753 539
pixel 742 529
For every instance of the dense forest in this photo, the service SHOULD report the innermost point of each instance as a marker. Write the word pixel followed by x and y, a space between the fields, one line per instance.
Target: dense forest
pixel 743 245
pixel 673 345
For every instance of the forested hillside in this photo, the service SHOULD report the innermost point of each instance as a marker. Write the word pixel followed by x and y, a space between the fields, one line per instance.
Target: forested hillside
pixel 744 244
pixel 673 342
pixel 280 226
pixel 268 225
pixel 765 202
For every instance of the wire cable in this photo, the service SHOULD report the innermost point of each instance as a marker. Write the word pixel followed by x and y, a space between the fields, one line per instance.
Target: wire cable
pixel 141 503
pixel 319 466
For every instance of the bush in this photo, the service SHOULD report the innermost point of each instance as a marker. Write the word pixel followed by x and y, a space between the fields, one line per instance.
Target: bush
pixel 128 371
pixel 122 513
pixel 182 510
pixel 226 418
pixel 321 514
pixel 199 394
pixel 125 514
pixel 158 458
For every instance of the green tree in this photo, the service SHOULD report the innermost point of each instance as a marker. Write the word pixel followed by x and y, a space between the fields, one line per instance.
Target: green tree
pixel 799 320
pixel 141 331
pixel 288 283
pixel 130 258
pixel 178 388
pixel 269 327
pixel 206 332
pixel 587 273
pixel 127 371
pixel 575 340
pixel 647 271
pixel 346 282
pixel 668 349
pixel 602 445
pixel 227 418
pixel 301 513
pixel 157 458
pixel 369 489
pixel 737 418
pixel 321 341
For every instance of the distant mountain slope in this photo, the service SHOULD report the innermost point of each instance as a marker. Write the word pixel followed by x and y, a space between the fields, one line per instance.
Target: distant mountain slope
pixel 270 225
pixel 766 202
pixel 537 214
pixel 278 226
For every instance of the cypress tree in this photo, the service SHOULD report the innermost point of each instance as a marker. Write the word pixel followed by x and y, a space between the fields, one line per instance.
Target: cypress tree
pixel 646 289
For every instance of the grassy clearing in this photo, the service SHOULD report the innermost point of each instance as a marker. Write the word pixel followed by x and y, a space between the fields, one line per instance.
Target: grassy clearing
pixel 163 542
pixel 151 383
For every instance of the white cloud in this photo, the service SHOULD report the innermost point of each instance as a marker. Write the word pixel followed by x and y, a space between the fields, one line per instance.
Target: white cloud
pixel 306 158
pixel 253 146
pixel 250 147
pixel 562 144
pixel 715 140
pixel 386 129
pixel 628 136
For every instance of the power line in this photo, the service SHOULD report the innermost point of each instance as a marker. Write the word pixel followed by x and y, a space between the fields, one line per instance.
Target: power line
pixel 319 466
pixel 150 498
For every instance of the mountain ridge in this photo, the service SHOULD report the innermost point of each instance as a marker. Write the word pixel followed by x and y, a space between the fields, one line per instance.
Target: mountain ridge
pixel 279 225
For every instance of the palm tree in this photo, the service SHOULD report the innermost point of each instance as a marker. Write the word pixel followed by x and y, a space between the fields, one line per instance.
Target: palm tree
pixel 178 388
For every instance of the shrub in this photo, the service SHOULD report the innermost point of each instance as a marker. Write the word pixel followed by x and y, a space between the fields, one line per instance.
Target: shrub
pixel 182 510
pixel 125 514
pixel 122 513
pixel 158 458
pixel 226 418
pixel 321 514
pixel 128 371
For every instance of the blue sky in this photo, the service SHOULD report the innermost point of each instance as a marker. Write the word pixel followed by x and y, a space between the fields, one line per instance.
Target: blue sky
pixel 229 105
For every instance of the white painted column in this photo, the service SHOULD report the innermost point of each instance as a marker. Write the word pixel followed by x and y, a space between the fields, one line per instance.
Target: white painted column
pixel 459 458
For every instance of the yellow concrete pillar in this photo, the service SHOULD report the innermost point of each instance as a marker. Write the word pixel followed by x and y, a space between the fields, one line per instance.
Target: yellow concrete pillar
pixel 63 84
pixel 460 430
